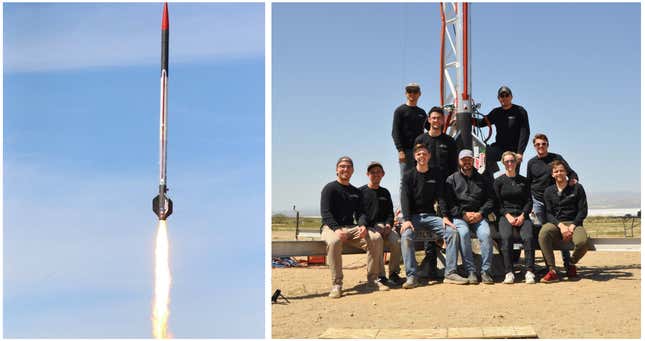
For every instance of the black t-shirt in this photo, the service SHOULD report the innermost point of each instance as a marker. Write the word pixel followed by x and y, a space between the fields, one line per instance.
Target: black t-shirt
pixel 443 152
pixel 407 125
pixel 513 195
pixel 419 191
pixel 340 205
pixel 538 173
pixel 377 205
pixel 511 128
pixel 568 205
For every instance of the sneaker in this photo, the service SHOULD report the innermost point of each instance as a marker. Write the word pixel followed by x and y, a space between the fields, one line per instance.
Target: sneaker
pixel 472 278
pixel 335 291
pixel 410 283
pixel 380 285
pixel 510 278
pixel 486 278
pixel 529 277
pixel 395 280
pixel 572 271
pixel 550 277
pixel 454 278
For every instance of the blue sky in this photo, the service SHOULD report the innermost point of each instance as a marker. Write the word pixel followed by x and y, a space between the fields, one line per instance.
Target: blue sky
pixel 81 117
pixel 339 72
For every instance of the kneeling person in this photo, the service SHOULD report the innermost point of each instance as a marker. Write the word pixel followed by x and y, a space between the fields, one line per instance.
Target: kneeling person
pixel 566 209
pixel 340 208
pixel 421 187
pixel 377 205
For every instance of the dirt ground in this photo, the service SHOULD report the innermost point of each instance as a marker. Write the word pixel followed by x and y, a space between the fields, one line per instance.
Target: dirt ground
pixel 603 303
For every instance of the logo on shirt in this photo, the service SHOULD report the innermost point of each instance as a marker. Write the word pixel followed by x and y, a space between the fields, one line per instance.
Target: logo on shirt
pixel 382 198
pixel 353 196
pixel 431 181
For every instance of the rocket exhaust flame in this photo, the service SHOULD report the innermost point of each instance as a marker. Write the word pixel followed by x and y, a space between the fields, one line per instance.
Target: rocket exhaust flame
pixel 162 205
pixel 163 280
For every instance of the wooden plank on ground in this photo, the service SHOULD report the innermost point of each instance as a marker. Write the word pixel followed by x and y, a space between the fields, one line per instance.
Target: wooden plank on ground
pixel 465 333
pixel 349 333
pixel 523 332
pixel 392 333
pixel 510 332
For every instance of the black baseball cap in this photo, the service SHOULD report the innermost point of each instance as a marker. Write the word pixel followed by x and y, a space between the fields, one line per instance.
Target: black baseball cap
pixel 504 89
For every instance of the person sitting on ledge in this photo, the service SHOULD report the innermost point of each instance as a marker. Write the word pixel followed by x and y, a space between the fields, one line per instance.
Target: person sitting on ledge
pixel 343 221
pixel 566 209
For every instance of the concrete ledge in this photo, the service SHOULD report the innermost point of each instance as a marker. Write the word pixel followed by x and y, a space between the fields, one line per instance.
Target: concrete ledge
pixel 291 248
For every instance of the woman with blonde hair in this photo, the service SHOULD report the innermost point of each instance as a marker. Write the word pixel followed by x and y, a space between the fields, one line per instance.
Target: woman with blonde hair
pixel 514 197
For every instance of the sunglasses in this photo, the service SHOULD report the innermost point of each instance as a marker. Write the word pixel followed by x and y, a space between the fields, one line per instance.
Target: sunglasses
pixel 503 95
pixel 509 161
pixel 412 91
pixel 540 144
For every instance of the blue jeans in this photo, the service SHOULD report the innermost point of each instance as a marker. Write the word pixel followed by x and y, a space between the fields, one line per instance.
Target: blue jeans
pixel 434 224
pixel 409 162
pixel 485 242
pixel 540 213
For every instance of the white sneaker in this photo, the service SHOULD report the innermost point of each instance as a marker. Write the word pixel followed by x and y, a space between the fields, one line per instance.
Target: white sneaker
pixel 510 278
pixel 335 291
pixel 529 278
pixel 379 285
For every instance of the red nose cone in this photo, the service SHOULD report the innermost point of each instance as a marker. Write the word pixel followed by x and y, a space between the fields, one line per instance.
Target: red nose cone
pixel 164 21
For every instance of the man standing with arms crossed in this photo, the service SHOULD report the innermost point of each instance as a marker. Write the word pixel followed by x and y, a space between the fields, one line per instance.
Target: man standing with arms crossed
pixel 343 221
pixel 421 187
pixel 407 125
pixel 511 131
pixel 377 205
pixel 443 152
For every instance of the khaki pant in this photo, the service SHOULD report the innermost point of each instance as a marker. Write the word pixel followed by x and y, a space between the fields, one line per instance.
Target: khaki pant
pixel 393 242
pixel 550 238
pixel 372 243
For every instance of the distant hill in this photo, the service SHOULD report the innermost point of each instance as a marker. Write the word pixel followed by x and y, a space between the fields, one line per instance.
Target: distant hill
pixel 605 200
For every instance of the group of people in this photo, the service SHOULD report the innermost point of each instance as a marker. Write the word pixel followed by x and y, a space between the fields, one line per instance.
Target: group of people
pixel 443 193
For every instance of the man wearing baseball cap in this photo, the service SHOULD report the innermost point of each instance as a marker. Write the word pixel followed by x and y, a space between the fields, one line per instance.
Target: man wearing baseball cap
pixel 469 200
pixel 511 131
pixel 407 125
pixel 377 205
pixel 343 221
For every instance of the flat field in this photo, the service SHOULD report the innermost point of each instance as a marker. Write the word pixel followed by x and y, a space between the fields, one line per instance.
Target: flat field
pixel 603 303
